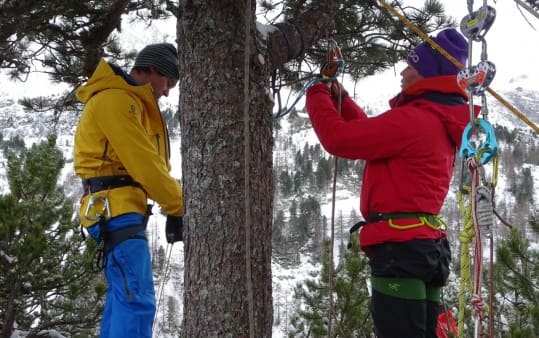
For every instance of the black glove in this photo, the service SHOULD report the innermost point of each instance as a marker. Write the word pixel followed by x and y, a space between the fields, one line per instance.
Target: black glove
pixel 174 229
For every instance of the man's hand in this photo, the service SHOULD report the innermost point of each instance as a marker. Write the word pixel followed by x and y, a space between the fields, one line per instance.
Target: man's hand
pixel 174 229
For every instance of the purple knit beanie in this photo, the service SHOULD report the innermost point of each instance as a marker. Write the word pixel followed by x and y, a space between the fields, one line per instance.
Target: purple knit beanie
pixel 429 62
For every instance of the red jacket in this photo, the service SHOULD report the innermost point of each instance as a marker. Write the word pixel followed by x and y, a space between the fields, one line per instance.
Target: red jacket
pixel 409 151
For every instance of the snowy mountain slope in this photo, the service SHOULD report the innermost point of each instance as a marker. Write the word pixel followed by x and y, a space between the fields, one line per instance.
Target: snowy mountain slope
pixel 33 127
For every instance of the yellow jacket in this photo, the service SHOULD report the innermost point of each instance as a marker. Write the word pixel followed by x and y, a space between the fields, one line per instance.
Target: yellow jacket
pixel 121 132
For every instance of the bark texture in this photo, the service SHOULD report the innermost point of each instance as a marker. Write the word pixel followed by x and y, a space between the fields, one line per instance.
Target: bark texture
pixel 228 203
pixel 220 273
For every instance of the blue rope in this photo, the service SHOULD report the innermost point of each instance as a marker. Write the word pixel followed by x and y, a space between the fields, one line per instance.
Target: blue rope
pixel 309 83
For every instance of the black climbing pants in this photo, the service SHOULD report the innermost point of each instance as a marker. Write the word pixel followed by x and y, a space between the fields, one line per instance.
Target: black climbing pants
pixel 406 281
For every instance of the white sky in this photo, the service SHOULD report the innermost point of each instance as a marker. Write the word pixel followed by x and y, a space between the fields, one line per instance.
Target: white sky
pixel 512 45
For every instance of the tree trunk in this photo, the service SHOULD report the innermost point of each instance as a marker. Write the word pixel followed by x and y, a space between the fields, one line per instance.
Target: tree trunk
pixel 10 312
pixel 228 205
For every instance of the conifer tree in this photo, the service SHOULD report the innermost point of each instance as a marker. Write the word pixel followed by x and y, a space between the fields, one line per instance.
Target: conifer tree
pixel 517 280
pixel 351 316
pixel 46 279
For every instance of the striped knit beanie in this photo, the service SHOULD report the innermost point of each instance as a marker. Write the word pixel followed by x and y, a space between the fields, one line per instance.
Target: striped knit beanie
pixel 162 57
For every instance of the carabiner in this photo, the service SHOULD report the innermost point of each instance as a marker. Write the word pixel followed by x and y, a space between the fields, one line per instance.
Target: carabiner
pixel 335 62
pixel 487 150
pixel 104 212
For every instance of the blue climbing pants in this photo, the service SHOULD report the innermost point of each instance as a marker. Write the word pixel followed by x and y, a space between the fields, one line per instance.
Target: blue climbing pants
pixel 130 304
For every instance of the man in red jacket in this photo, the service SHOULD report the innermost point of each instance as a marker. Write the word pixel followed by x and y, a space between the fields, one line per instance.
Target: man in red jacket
pixel 409 152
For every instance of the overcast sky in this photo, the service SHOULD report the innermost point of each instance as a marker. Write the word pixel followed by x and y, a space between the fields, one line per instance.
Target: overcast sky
pixel 512 45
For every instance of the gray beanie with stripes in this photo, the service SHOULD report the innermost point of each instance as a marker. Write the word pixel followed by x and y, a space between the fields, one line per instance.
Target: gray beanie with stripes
pixel 163 57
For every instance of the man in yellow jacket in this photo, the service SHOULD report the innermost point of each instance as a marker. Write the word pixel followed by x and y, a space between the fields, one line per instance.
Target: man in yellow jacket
pixel 122 156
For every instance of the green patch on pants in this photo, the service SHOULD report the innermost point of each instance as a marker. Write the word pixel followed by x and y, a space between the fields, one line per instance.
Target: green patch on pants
pixel 405 288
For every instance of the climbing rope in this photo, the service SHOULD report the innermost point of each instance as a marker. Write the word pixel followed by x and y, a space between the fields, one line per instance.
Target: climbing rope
pixel 330 72
pixel 431 42
pixel 475 79
pixel 168 253
pixel 332 68
pixel 479 218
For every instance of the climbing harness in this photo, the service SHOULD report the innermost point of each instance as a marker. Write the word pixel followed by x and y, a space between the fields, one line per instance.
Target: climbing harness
pixel 98 211
pixel 475 80
pixel 331 70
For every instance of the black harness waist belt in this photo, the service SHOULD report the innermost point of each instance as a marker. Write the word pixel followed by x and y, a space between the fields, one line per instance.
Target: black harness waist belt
pixel 113 238
pixel 95 184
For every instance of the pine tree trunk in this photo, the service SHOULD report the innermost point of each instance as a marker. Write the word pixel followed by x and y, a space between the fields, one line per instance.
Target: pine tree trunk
pixel 9 312
pixel 228 217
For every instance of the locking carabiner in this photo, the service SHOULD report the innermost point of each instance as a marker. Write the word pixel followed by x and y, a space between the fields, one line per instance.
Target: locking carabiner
pixel 487 150
pixel 335 62
pixel 96 215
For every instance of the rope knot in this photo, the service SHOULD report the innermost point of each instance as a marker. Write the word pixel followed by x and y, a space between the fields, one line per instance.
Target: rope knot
pixel 478 305
pixel 472 164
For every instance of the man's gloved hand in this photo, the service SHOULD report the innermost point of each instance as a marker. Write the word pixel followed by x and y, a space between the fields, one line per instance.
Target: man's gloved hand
pixel 174 228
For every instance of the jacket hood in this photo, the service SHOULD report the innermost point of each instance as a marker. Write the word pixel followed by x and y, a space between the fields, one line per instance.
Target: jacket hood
pixel 445 98
pixel 109 76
